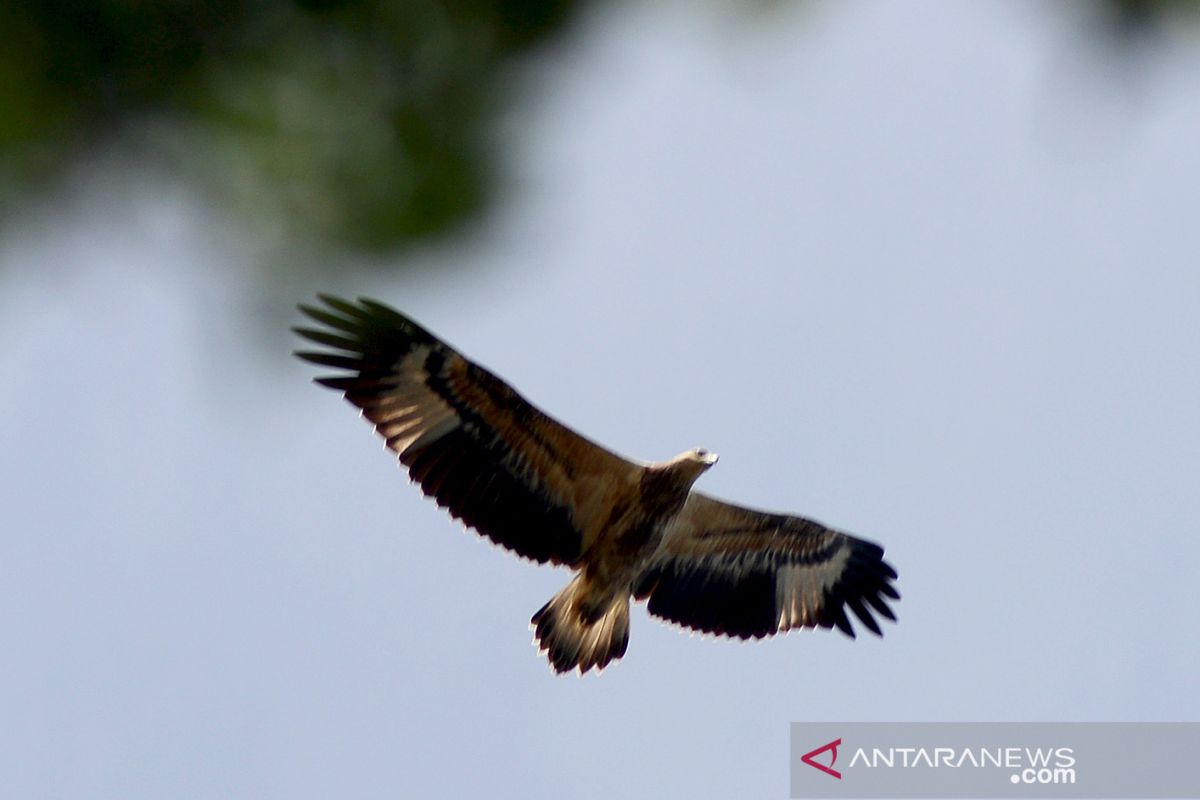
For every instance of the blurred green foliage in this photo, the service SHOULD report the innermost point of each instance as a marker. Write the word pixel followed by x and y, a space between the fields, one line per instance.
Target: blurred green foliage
pixel 359 123
pixel 1139 13
pixel 362 122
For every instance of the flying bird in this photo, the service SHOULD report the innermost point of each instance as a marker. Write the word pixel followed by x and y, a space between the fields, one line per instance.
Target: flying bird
pixel 627 529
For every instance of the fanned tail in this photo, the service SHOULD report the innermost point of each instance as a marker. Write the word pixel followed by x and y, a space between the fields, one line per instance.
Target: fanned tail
pixel 571 635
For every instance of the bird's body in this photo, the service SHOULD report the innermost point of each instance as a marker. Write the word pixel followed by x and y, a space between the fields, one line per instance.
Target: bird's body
pixel 628 529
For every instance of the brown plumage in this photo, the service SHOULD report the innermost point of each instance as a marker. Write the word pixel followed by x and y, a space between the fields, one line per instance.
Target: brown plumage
pixel 627 529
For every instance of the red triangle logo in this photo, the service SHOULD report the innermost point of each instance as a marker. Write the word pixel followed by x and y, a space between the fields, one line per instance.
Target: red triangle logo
pixel 808 758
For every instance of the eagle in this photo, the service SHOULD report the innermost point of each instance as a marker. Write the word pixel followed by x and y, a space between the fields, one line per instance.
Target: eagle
pixel 628 530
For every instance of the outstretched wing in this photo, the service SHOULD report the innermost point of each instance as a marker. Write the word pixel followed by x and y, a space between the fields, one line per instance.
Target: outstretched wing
pixel 733 571
pixel 471 442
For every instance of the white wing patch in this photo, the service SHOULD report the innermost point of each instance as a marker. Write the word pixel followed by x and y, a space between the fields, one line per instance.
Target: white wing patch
pixel 799 589
pixel 411 416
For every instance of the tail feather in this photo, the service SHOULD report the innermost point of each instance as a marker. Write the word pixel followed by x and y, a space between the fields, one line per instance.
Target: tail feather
pixel 569 640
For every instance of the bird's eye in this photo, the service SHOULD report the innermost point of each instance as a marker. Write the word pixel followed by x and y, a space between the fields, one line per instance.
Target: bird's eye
pixel 700 451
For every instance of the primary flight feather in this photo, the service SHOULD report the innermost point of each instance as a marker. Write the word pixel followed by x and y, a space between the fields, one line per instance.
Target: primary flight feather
pixel 628 530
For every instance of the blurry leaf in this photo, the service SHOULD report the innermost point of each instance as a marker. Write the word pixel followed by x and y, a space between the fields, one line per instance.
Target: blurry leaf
pixel 355 122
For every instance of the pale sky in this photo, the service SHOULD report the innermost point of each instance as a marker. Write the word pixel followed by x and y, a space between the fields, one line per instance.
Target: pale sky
pixel 926 274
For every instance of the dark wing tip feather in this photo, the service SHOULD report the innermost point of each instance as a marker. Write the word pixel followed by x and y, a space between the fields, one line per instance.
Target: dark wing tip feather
pixel 837 615
pixel 344 306
pixel 381 312
pixel 342 383
pixel 881 607
pixel 328 359
pixel 864 583
pixel 368 338
pixel 331 320
pixel 329 339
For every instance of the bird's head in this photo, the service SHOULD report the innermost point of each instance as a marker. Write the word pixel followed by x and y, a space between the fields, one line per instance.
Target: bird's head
pixel 705 457
pixel 698 458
